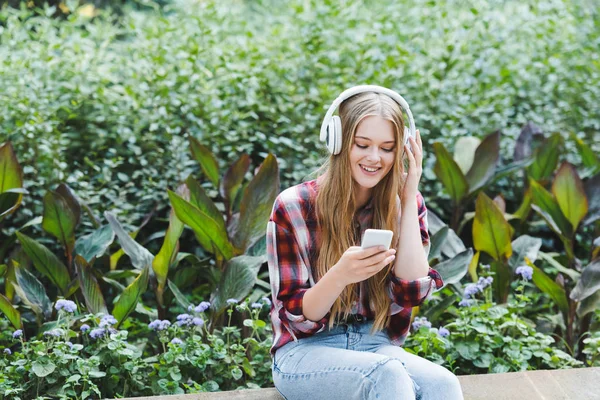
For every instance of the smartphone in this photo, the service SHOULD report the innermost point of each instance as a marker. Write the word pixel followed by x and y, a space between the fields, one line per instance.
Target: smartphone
pixel 377 237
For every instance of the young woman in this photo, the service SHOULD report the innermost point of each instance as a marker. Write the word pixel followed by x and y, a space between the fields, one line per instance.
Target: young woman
pixel 340 312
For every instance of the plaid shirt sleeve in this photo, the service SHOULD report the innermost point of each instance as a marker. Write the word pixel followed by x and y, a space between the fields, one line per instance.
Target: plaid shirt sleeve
pixel 407 293
pixel 289 273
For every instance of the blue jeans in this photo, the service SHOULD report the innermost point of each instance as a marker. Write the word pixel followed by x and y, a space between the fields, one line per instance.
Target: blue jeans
pixel 348 362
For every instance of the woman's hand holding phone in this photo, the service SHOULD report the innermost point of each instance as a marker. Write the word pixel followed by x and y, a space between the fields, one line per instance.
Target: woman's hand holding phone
pixel 358 264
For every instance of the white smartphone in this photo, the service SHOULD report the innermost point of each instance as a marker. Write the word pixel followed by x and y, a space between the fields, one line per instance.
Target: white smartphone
pixel 377 237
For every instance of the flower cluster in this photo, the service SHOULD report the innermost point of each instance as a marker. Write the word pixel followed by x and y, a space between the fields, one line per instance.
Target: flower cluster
pixel 158 325
pixel 189 320
pixel 232 301
pixel 54 333
pixel 525 271
pixel 66 305
pixel 200 308
pixel 17 334
pixel 473 288
pixel 104 327
pixel 422 321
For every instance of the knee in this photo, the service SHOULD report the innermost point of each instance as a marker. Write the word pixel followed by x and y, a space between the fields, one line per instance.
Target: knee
pixel 391 381
pixel 444 381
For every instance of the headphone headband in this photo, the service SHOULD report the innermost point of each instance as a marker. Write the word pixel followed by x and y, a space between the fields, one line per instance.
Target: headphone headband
pixel 368 88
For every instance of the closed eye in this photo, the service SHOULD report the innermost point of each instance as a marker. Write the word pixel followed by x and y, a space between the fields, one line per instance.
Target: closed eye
pixel 386 150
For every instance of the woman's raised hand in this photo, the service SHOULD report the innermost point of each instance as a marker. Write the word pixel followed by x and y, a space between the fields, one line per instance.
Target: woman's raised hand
pixel 415 166
pixel 358 264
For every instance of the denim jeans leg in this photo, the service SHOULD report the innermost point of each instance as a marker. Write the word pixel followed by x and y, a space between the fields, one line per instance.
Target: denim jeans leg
pixel 434 381
pixel 308 370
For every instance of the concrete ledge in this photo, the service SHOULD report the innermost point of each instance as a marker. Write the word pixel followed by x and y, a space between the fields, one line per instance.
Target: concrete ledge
pixel 576 384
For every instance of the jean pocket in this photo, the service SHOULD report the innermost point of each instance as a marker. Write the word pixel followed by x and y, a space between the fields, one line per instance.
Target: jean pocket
pixel 282 352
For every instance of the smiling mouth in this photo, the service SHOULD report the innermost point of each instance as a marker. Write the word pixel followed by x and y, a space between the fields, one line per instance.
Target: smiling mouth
pixel 370 169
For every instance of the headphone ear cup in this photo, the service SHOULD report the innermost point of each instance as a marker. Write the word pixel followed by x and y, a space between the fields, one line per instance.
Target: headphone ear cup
pixel 330 137
pixel 336 124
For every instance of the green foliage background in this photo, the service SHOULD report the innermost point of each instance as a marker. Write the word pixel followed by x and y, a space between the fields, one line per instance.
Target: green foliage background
pixel 104 102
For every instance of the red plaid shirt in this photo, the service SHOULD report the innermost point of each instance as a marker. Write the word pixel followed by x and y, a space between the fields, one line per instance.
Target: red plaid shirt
pixel 292 251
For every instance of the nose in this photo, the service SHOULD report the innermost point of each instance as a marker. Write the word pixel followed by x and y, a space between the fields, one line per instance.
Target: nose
pixel 373 155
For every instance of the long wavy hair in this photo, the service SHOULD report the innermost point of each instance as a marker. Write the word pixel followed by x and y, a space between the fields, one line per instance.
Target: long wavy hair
pixel 336 204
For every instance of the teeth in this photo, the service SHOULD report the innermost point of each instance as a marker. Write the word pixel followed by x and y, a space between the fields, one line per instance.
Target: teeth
pixel 369 169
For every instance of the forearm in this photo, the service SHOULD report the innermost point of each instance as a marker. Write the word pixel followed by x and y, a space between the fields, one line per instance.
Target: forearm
pixel 319 299
pixel 411 260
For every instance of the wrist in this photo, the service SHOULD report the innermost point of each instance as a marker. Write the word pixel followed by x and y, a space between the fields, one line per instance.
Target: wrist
pixel 335 278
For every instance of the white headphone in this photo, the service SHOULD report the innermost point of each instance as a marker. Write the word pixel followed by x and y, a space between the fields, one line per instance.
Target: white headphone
pixel 331 128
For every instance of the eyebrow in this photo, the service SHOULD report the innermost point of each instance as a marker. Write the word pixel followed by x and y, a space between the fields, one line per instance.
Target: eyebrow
pixel 366 138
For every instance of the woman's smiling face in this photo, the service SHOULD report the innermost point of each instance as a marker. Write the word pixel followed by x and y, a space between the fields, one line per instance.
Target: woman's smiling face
pixel 373 151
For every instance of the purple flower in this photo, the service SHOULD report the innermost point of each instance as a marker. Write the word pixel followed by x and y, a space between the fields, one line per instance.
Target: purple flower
pixel 202 307
pixel 7 351
pixel 465 303
pixel 443 332
pixel 97 333
pixel 17 334
pixel 190 307
pixel 184 319
pixel 470 290
pixel 158 325
pixel 107 320
pixel 266 301
pixel 484 282
pixel 232 301
pixel 176 341
pixel 256 305
pixel 198 321
pixel 84 328
pixel 419 322
pixel 66 305
pixel 525 271
pixel 53 333
pixel 69 344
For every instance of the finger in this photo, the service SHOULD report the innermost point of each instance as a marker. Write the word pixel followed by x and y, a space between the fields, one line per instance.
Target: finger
pixel 417 153
pixel 373 269
pixel 410 156
pixel 377 258
pixel 419 142
pixel 370 252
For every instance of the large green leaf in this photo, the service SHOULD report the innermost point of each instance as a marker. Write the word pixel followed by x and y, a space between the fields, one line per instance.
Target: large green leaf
pixel 233 179
pixel 67 194
pixel 59 219
pixel 198 198
pixel 32 292
pixel 592 192
pixel 524 247
pixel 207 161
pixel 529 139
pixel 484 164
pixel 587 154
pixel 202 224
pixel 553 289
pixel 570 195
pixel 237 280
pixel 491 232
pixel 10 311
pixel 589 283
pixel 452 245
pixel 453 270
pixel 46 262
pixel 432 313
pixel 140 257
pixel 464 152
pixel 548 208
pixel 449 173
pixel 129 298
pixel 589 304
pixel 502 278
pixel 437 241
pixel 11 178
pixel 95 244
pixel 257 204
pixel 546 158
pixel 180 297
pixel 170 246
pixel 94 300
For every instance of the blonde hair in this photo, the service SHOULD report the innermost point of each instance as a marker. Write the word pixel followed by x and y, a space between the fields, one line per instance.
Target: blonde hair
pixel 336 192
